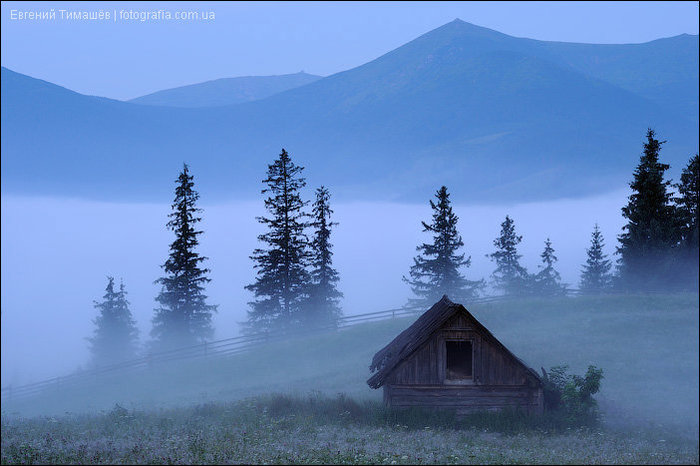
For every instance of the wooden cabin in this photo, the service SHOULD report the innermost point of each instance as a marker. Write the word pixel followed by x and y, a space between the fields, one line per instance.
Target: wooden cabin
pixel 447 359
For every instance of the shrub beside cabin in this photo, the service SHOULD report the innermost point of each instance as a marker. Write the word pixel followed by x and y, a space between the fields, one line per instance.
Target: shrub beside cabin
pixel 447 359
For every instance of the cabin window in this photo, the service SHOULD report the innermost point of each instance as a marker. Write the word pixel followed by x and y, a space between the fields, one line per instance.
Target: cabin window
pixel 459 360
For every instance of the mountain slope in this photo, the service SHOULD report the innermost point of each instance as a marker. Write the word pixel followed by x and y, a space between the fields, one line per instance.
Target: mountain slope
pixel 226 91
pixel 663 70
pixel 491 116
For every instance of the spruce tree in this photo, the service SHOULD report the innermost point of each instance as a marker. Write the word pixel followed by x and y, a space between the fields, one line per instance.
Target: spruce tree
pixel 547 281
pixel 687 212
pixel 183 317
pixel 116 336
pixel 509 276
pixel 282 280
pixel 595 276
pixel 435 271
pixel 650 232
pixel 322 307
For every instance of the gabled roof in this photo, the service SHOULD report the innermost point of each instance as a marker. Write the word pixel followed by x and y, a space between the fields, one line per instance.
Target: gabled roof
pixel 414 336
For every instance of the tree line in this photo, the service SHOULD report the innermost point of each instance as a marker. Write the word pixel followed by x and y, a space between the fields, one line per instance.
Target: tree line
pixel 295 287
pixel 658 248
pixel 296 283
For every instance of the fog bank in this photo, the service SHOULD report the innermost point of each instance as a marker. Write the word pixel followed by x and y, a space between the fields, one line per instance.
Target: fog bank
pixel 56 254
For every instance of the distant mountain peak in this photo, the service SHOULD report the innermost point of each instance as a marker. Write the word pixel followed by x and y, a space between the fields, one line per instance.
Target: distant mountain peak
pixel 518 119
pixel 226 91
pixel 460 27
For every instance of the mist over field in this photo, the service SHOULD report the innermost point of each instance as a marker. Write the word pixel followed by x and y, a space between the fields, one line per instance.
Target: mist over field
pixel 58 252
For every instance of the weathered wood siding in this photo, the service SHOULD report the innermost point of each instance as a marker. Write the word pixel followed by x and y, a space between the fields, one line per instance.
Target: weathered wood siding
pixel 421 367
pixel 497 379
pixel 465 398
pixel 426 365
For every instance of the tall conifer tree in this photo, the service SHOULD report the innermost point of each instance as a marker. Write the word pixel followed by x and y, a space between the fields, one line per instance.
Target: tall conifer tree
pixel 547 281
pixel 687 208
pixel 509 276
pixel 435 271
pixel 322 307
pixel 650 232
pixel 183 317
pixel 595 276
pixel 282 283
pixel 116 336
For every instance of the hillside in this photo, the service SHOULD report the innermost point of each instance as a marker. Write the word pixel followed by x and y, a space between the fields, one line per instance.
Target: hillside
pixel 662 70
pixel 226 91
pixel 632 338
pixel 497 117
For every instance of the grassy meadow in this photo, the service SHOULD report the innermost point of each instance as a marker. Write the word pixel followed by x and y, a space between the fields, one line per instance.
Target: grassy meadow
pixel 281 403
pixel 279 429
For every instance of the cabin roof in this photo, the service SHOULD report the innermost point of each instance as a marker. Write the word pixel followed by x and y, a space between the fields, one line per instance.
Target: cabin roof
pixel 414 336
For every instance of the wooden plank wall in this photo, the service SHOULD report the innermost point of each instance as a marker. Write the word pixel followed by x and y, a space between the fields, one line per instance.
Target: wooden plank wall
pixel 498 380
pixel 465 398
pixel 421 367
pixel 426 365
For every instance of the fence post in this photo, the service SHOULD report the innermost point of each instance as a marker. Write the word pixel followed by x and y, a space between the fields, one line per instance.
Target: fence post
pixel 393 314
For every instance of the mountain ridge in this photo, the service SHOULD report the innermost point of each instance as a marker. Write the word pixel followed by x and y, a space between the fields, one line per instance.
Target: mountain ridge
pixel 225 91
pixel 495 116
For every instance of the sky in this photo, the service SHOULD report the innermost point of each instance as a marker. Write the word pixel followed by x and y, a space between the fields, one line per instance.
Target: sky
pixel 127 58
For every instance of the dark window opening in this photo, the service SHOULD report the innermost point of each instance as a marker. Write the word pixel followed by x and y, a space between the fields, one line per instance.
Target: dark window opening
pixel 459 360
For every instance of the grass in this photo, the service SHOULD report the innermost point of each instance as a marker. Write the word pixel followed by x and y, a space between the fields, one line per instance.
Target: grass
pixel 221 410
pixel 646 345
pixel 281 429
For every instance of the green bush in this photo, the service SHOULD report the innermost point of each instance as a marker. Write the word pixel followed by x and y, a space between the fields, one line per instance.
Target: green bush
pixel 572 395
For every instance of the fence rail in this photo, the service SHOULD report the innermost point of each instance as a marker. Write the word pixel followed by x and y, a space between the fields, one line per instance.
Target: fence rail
pixel 223 347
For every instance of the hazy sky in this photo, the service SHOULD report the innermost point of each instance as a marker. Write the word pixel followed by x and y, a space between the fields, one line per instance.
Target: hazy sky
pixel 127 58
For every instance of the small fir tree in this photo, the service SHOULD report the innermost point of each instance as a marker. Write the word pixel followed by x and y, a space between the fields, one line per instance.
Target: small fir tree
pixel 322 307
pixel 650 232
pixel 183 317
pixel 595 276
pixel 282 280
pixel 687 208
pixel 116 336
pixel 547 281
pixel 435 271
pixel 509 276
